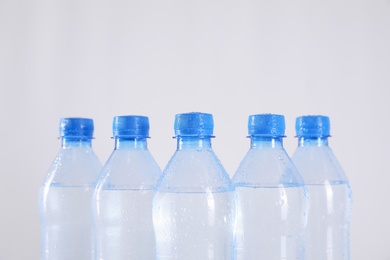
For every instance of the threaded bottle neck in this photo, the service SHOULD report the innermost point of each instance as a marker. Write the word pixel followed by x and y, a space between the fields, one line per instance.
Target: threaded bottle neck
pixel 312 141
pixel 130 143
pixel 69 142
pixel 193 142
pixel 266 142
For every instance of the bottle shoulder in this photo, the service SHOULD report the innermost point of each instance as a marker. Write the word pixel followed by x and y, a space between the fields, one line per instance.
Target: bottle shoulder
pixel 194 171
pixel 267 168
pixel 73 167
pixel 129 169
pixel 318 164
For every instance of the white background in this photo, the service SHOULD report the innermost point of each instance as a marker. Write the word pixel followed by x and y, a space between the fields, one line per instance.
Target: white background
pixel 230 58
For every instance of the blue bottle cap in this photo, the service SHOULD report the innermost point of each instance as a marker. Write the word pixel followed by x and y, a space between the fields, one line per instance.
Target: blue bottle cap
pixel 312 126
pixel 267 125
pixel 130 126
pixel 76 127
pixel 194 124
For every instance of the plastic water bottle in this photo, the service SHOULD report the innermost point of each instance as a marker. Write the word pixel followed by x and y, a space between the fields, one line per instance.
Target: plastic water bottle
pixel 272 198
pixel 66 193
pixel 194 201
pixel 123 197
pixel 329 191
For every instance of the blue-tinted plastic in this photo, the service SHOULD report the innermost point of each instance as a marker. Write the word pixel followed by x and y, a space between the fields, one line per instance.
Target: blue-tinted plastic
pixel 194 200
pixel 66 192
pixel 312 126
pixel 327 232
pixel 122 202
pixel 270 125
pixel 130 126
pixel 194 124
pixel 76 127
pixel 271 196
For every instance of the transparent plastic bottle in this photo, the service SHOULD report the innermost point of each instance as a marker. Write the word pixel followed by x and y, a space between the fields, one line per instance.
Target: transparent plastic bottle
pixel 123 197
pixel 272 198
pixel 194 201
pixel 66 193
pixel 329 191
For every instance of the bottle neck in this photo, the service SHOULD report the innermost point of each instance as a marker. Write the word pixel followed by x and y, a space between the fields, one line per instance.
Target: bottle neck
pixel 312 141
pixel 193 142
pixel 69 142
pixel 130 143
pixel 266 142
